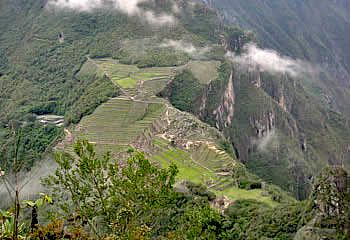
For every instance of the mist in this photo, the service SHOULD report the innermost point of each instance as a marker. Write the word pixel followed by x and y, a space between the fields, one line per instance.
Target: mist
pixel 130 7
pixel 269 60
pixel 29 182
pixel 270 140
pixel 187 47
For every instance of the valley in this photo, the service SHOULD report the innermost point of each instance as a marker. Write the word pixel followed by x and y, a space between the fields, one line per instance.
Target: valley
pixel 139 120
pixel 172 119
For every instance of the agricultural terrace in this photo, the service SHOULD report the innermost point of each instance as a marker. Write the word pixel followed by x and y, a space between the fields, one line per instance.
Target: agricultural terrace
pixel 131 77
pixel 117 123
pixel 205 166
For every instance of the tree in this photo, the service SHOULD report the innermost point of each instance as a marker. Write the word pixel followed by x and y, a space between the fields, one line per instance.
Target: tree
pixel 111 198
pixel 13 188
pixel 238 173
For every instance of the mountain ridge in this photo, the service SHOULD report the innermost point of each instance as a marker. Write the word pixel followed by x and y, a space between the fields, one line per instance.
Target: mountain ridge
pixel 236 121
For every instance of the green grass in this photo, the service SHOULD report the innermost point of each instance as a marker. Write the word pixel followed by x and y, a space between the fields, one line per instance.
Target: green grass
pixel 116 69
pixel 155 72
pixel 128 82
pixel 204 71
pixel 129 76
pixel 213 159
pixel 117 123
pixel 200 167
pixel 188 169
pixel 239 194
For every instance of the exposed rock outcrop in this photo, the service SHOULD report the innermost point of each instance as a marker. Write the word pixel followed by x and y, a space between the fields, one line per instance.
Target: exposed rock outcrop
pixel 221 203
pixel 329 191
pixel 329 200
pixel 225 111
pixel 263 125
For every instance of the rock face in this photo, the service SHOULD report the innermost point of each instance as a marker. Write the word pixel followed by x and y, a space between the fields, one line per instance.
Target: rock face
pixel 321 27
pixel 221 203
pixel 329 191
pixel 276 127
pixel 331 206
pixel 225 111
pixel 264 124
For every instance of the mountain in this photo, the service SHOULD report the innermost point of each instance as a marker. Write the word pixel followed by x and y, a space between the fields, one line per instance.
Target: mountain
pixel 80 73
pixel 316 31
pixel 284 127
pixel 249 99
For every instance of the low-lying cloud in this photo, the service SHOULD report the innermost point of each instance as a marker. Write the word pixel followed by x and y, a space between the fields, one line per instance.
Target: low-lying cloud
pixel 269 60
pixel 267 142
pixel 187 47
pixel 29 182
pixel 130 7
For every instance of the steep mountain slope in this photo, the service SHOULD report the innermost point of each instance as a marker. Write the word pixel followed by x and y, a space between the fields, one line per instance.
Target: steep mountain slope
pixel 279 130
pixel 42 51
pixel 56 64
pixel 101 70
pixel 317 31
pixel 168 78
pixel 314 30
pixel 294 117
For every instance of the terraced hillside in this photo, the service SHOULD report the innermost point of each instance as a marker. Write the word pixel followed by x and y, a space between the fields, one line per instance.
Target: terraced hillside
pixel 132 79
pixel 140 120
pixel 188 168
pixel 116 124
pixel 208 166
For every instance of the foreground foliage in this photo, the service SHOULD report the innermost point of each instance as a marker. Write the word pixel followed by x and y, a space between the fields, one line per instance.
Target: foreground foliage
pixel 98 198
pixel 125 200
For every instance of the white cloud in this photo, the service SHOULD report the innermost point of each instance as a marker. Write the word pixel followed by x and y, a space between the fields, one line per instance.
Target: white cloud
pixel 270 140
pixel 184 46
pixel 269 60
pixel 81 5
pixel 179 45
pixel 267 142
pixel 162 19
pixel 130 7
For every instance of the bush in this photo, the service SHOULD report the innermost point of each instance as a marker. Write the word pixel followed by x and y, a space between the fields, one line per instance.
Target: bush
pixel 200 190
pixel 35 139
pixel 249 185
pixel 44 108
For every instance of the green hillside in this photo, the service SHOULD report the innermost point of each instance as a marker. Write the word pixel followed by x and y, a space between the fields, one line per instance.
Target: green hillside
pixel 140 120
pixel 163 125
pixel 62 63
pixel 43 53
